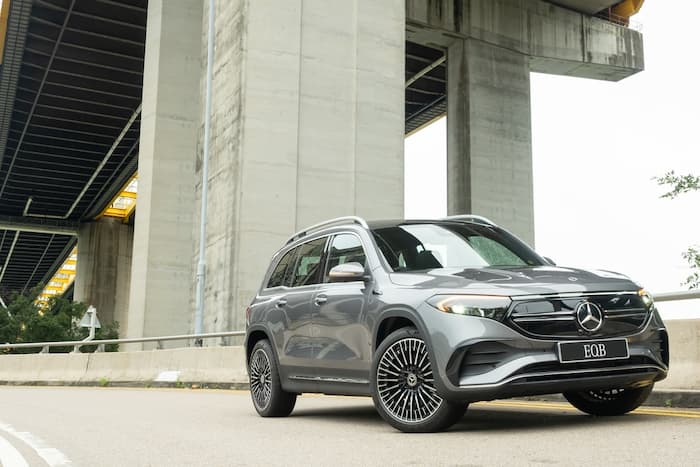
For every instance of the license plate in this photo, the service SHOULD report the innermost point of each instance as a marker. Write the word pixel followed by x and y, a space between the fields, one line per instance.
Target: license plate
pixel 586 351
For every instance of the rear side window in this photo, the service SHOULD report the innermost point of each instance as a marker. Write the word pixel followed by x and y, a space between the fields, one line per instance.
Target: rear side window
pixel 307 267
pixel 279 276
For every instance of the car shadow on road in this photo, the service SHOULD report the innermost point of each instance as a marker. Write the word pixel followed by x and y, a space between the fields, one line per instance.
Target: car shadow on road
pixel 480 419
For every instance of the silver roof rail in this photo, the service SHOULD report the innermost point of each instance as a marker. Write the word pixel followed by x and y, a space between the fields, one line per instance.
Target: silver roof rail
pixel 471 217
pixel 337 221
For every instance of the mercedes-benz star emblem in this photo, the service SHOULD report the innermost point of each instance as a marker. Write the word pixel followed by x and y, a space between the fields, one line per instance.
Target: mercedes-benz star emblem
pixel 589 316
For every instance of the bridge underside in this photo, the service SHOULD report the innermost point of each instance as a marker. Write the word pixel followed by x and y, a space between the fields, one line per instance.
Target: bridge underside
pixel 71 79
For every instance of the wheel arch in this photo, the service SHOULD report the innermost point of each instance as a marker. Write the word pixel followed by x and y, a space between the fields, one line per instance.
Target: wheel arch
pixel 394 319
pixel 255 335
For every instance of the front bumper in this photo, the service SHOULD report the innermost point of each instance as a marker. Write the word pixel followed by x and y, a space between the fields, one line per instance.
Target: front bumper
pixel 482 359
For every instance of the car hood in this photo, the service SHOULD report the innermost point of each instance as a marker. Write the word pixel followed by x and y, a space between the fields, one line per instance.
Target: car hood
pixel 512 281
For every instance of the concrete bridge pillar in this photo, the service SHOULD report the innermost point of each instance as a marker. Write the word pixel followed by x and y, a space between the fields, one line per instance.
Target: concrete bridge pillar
pixel 162 277
pixel 489 149
pixel 104 269
pixel 491 47
pixel 307 124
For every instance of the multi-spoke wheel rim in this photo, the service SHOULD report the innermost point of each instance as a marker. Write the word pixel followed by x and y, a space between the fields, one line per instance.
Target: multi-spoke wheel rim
pixel 606 394
pixel 260 378
pixel 405 382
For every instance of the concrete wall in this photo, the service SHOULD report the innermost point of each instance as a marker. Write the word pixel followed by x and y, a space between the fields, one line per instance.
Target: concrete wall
pixel 307 124
pixel 103 272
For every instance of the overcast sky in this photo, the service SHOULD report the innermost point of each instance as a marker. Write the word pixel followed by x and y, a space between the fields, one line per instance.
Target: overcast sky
pixel 596 147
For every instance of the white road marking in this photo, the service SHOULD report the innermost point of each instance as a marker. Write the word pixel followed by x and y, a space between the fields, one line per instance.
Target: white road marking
pixel 9 456
pixel 52 456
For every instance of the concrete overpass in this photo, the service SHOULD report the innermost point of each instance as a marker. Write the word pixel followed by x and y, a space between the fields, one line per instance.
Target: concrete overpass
pixel 312 100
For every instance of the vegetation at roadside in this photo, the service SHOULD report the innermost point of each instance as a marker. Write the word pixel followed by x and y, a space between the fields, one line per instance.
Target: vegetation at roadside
pixel 26 321
pixel 678 185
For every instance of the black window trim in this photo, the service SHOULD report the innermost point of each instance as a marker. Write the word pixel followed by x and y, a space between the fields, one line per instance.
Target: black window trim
pixel 327 256
pixel 296 256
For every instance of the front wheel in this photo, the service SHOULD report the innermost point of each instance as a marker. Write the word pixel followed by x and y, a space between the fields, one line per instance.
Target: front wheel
pixel 607 402
pixel 403 386
pixel 269 399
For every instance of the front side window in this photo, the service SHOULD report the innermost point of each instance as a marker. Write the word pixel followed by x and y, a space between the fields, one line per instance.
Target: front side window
pixel 415 247
pixel 307 266
pixel 345 248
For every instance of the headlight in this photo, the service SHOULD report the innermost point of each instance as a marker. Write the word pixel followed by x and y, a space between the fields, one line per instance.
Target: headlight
pixel 484 306
pixel 646 298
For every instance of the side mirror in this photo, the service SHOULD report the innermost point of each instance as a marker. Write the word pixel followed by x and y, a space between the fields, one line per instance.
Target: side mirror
pixel 550 260
pixel 347 272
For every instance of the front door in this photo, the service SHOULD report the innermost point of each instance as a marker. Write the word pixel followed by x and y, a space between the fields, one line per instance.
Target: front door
pixel 340 332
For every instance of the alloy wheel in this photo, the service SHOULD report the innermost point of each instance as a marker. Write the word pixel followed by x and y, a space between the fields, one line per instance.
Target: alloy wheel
pixel 260 378
pixel 405 382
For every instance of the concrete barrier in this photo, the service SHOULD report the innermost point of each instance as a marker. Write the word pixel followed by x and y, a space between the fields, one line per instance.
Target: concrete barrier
pixel 225 366
pixel 684 336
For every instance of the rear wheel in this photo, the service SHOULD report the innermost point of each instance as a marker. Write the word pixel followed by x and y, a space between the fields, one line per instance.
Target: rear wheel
pixel 269 399
pixel 609 401
pixel 403 386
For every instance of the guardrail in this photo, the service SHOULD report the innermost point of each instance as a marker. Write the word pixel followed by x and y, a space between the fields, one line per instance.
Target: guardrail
pixel 673 296
pixel 102 342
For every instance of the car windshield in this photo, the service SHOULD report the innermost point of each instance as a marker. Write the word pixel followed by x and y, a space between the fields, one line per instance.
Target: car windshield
pixel 416 247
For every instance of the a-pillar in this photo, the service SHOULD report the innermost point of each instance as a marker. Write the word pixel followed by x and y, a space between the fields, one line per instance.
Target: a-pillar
pixel 489 149
pixel 162 277
pixel 307 125
pixel 104 269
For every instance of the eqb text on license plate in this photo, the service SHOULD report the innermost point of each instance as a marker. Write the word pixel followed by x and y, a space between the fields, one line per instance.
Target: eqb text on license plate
pixel 610 349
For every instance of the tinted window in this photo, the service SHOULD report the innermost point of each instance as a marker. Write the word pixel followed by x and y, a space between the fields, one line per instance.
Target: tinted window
pixel 415 247
pixel 307 267
pixel 277 277
pixel 346 248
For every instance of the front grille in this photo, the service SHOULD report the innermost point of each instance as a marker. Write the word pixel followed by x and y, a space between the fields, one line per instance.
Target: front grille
pixel 555 317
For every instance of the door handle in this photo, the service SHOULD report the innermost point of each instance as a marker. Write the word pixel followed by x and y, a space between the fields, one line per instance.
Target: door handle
pixel 320 299
pixel 281 302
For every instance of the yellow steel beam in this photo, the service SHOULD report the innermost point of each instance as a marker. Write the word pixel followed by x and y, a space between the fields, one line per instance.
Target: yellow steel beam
pixel 61 280
pixel 627 8
pixel 124 203
pixel 4 15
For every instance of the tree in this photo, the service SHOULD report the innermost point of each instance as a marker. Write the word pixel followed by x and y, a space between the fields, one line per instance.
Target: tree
pixel 678 185
pixel 25 320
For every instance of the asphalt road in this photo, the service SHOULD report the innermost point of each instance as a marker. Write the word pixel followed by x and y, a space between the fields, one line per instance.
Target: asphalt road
pixel 172 427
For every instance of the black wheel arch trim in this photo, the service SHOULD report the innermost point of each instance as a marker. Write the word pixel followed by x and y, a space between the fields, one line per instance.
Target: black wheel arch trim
pixel 254 329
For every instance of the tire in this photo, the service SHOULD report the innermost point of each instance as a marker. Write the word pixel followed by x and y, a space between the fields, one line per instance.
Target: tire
pixel 269 399
pixel 402 371
pixel 609 402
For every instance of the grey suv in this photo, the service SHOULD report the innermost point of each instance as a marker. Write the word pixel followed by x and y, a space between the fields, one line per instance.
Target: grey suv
pixel 428 316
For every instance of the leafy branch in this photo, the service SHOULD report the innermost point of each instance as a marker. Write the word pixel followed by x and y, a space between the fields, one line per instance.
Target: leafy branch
pixel 679 184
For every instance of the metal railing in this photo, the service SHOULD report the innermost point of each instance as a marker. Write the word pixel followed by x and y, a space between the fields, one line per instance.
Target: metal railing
pixel 673 296
pixel 101 343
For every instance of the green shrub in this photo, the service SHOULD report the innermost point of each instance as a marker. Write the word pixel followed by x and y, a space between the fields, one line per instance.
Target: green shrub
pixel 26 321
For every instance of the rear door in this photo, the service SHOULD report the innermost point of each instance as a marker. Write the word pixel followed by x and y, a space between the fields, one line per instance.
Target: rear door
pixel 290 308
